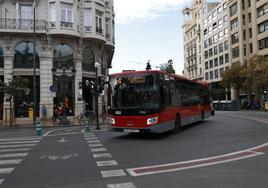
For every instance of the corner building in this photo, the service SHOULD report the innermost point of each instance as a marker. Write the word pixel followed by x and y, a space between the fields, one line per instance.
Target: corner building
pixel 71 36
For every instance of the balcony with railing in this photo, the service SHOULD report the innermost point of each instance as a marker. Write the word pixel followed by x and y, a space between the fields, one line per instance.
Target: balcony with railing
pixel 22 24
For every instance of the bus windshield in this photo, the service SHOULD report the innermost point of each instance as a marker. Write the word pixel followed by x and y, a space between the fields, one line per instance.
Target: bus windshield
pixel 136 91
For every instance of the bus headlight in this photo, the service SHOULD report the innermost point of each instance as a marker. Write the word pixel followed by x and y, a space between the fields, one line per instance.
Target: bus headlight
pixel 152 121
pixel 111 121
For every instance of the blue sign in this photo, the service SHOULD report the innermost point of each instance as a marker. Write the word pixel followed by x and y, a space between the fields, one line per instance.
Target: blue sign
pixel 53 88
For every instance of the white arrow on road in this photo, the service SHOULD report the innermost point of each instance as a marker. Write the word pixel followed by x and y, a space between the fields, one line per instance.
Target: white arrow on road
pixel 62 140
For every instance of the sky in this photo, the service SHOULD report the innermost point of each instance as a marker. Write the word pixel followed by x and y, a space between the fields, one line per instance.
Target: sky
pixel 148 30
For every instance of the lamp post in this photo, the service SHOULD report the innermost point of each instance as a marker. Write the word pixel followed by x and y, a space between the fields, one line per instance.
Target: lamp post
pixel 97 65
pixel 35 3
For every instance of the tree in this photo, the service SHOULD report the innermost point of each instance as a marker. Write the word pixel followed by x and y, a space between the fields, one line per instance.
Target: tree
pixel 168 67
pixel 15 88
pixel 235 77
pixel 257 76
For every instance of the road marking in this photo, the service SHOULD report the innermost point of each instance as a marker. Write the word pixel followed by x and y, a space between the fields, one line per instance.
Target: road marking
pixel 106 163
pixel 112 173
pixel 95 145
pixel 1 181
pixel 13 155
pixel 20 138
pixel 91 138
pixel 6 170
pixel 16 146
pixel 62 140
pixel 98 149
pixel 171 167
pixel 122 185
pixel 88 134
pixel 15 150
pixel 20 142
pixel 102 155
pixel 8 162
pixel 93 141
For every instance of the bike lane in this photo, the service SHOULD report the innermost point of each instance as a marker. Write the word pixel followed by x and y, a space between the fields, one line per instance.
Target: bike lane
pixel 55 162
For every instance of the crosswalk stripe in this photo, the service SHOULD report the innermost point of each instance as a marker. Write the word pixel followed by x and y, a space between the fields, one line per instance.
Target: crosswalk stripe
pixel 112 173
pixel 93 141
pixel 106 163
pixel 122 185
pixel 6 170
pixel 14 150
pixel 20 142
pixel 91 138
pixel 1 181
pixel 98 149
pixel 13 155
pixel 95 145
pixel 16 146
pixel 20 139
pixel 102 155
pixel 8 162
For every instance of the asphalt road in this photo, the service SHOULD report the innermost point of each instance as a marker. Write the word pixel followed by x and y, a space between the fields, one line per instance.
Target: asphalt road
pixel 228 150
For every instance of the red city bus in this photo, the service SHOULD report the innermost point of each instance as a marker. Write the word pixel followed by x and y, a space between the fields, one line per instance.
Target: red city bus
pixel 154 101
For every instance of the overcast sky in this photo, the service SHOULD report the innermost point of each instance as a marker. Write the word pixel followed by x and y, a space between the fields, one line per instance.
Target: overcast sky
pixel 148 30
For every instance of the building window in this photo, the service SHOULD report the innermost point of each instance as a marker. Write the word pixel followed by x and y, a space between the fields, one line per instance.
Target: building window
pixel 251 48
pixel 221 60
pixel 250 32
pixel 66 15
pixel 249 3
pixel 211 64
pixel 263 27
pixel 1 58
pixel 215 50
pixel 224 6
pixel 220 47
pixel 99 28
pixel 211 75
pixel 226 58
pixel 245 50
pixel 52 15
pixel 214 14
pixel 216 73
pixel 87 20
pixel 249 17
pixel 206 43
pixel 210 52
pixel 235 52
pixel 88 60
pixel 219 10
pixel 216 62
pixel 23 56
pixel 244 35
pixel 225 45
pixel 220 35
pixel 206 65
pixel 210 41
pixel 225 19
pixel 215 38
pixel 235 38
pixel 233 9
pixel 221 72
pixel 63 56
pixel 206 54
pixel 206 75
pixel 107 28
pixel 263 10
pixel 226 32
pixel 234 24
pixel 26 17
pixel 263 43
pixel 220 23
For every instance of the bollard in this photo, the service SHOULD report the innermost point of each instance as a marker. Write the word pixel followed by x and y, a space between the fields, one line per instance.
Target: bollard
pixel 38 127
pixel 87 125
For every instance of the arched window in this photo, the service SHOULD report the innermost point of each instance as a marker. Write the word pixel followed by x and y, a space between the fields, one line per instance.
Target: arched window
pixel 88 62
pixel 1 58
pixel 63 56
pixel 23 56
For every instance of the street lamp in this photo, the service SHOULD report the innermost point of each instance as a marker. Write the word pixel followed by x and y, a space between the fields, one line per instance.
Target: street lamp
pixel 35 3
pixel 97 66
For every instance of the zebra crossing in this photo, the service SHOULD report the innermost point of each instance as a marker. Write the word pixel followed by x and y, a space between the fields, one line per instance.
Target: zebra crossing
pixel 12 152
pixel 103 160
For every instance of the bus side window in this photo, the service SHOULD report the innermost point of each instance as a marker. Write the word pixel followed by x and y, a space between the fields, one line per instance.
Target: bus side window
pixel 165 95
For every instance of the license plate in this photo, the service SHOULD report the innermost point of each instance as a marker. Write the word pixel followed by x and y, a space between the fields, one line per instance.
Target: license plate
pixel 131 130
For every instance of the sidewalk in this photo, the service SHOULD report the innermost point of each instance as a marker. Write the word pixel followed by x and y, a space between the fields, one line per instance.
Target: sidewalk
pixel 48 124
